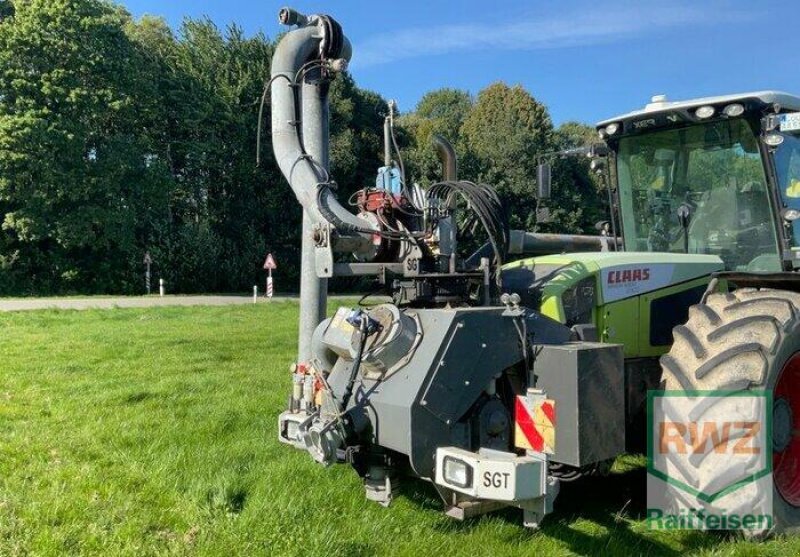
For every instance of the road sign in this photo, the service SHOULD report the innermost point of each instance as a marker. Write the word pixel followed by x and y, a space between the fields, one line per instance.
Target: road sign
pixel 147 259
pixel 269 265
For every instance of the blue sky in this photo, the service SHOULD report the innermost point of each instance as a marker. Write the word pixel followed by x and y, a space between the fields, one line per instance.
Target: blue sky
pixel 586 60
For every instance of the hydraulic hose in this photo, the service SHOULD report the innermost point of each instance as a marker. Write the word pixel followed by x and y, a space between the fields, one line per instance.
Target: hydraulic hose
pixel 362 341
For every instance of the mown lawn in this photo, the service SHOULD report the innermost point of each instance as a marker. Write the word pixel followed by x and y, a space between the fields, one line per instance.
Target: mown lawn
pixel 153 432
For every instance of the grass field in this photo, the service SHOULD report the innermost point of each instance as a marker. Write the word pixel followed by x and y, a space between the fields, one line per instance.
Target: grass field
pixel 152 432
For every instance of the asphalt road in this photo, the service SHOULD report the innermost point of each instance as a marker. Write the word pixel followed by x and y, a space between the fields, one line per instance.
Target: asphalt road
pixel 26 304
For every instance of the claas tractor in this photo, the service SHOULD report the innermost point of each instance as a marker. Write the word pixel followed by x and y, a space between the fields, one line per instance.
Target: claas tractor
pixel 500 375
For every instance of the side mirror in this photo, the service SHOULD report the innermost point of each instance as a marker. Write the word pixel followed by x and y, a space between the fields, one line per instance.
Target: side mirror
pixel 543 181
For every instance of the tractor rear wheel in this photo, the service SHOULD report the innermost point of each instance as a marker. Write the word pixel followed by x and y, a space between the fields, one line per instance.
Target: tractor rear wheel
pixel 749 339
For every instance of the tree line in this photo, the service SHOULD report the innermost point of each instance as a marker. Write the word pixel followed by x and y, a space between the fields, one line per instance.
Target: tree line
pixel 121 136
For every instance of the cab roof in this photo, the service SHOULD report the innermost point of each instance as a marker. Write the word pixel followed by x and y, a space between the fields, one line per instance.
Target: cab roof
pixel 660 104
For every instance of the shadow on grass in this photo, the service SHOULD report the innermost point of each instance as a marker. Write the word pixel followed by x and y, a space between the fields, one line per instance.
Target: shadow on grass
pixel 611 502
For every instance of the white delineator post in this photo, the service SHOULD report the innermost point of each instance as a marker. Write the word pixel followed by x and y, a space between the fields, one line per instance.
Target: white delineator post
pixel 161 287
pixel 255 294
pixel 269 285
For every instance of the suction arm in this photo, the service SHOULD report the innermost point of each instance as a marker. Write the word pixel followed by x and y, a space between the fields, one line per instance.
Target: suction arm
pixel 316 43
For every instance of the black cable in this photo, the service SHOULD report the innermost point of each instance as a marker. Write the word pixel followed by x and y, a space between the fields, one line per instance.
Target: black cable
pixel 486 205
pixel 368 295
pixel 261 113
pixel 305 68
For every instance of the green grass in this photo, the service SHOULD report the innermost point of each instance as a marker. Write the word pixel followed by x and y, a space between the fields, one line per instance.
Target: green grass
pixel 153 432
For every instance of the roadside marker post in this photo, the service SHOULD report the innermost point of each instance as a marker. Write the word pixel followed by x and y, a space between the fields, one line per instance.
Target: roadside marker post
pixel 269 265
pixel 255 294
pixel 162 289
pixel 147 262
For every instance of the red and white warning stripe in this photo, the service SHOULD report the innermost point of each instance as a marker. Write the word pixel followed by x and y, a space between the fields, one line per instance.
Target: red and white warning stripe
pixel 269 287
pixel 535 424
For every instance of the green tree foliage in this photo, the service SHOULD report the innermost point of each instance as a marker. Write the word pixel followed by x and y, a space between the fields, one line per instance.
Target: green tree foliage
pixel 441 112
pixel 507 131
pixel 570 135
pixel 579 199
pixel 75 181
pixel 119 137
pixel 504 130
pixel 356 135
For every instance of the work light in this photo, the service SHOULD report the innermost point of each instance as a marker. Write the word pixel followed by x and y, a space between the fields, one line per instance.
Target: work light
pixel 790 215
pixel 733 110
pixel 703 112
pixel 773 139
pixel 457 472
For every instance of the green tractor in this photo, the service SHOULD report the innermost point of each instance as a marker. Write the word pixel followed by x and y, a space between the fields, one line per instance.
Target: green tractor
pixel 498 377
pixel 703 295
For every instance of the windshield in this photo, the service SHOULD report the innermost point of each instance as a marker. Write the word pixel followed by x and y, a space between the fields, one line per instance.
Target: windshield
pixel 787 166
pixel 699 189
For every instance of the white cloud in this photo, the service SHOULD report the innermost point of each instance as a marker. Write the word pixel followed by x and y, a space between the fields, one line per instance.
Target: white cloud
pixel 598 24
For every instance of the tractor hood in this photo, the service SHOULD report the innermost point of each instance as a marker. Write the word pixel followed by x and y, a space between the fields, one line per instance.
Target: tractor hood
pixel 544 281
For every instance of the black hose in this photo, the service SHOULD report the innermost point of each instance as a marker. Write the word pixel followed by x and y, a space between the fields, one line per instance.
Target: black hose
pixel 362 341
pixel 485 203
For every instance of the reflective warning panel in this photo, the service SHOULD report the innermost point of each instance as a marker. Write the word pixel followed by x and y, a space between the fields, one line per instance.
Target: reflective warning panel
pixel 535 425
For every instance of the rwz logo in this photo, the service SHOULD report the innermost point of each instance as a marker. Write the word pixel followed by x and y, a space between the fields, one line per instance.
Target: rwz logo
pixel 703 437
pixel 709 460
pixel 628 275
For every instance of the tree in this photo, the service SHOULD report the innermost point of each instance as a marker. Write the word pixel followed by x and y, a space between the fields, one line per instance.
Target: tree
pixel 571 135
pixel 577 188
pixel 504 130
pixel 441 112
pixel 76 179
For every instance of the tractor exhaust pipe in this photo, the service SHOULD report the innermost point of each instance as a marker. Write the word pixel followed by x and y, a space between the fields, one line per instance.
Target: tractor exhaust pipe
pixel 447 155
pixel 447 227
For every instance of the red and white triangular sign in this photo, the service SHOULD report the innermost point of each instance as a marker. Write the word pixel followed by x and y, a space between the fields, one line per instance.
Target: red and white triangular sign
pixel 270 264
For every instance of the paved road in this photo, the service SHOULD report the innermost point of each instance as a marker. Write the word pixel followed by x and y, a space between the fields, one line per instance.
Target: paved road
pixel 23 304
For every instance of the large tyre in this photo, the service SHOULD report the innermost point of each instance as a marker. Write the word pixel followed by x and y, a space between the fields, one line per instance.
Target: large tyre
pixel 749 340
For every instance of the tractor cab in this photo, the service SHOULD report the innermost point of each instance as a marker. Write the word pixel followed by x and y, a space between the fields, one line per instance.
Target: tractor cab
pixel 716 176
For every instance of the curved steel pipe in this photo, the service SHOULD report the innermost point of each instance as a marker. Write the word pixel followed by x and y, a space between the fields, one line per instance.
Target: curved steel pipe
pixel 447 155
pixel 301 142
pixel 297 48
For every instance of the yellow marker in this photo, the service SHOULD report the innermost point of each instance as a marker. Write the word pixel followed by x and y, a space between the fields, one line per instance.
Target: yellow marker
pixel 543 418
pixel 794 189
pixel 658 183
